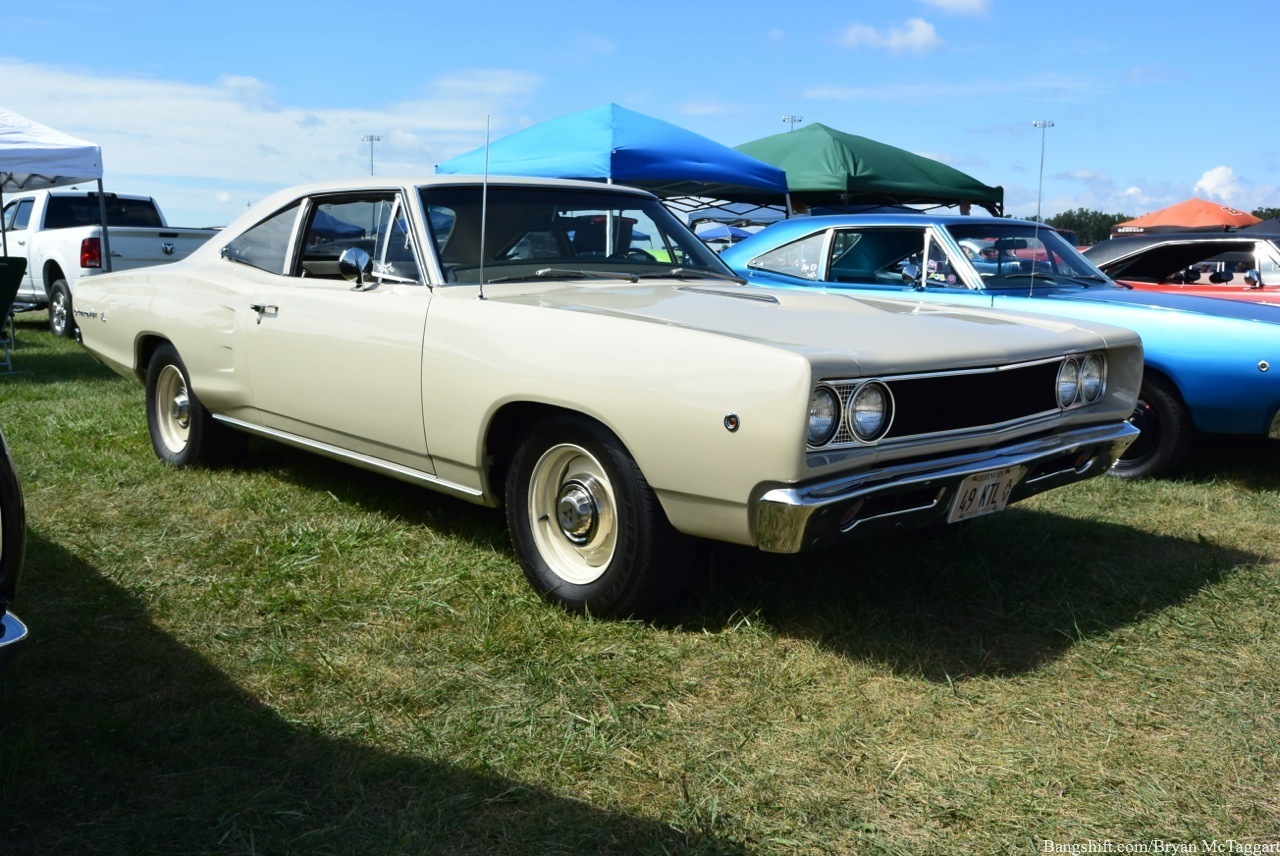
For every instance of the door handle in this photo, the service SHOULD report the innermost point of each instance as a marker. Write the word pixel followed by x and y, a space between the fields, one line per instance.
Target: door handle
pixel 263 308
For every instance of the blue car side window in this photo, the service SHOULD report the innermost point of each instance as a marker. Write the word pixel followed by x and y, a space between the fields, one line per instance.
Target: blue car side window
pixel 801 258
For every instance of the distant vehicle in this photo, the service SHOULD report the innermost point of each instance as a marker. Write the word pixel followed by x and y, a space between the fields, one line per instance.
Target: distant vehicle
pixel 521 343
pixel 1237 265
pixel 13 544
pixel 1209 366
pixel 59 233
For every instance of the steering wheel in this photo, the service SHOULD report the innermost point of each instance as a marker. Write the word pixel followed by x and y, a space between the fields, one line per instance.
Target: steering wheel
pixel 634 253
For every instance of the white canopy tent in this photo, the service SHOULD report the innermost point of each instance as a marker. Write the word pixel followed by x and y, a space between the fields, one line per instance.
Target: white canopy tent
pixel 35 156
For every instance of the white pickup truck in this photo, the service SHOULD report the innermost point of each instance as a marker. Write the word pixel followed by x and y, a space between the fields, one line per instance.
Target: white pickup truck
pixel 59 233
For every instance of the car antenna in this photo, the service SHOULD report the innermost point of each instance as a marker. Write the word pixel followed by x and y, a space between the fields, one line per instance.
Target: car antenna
pixel 484 202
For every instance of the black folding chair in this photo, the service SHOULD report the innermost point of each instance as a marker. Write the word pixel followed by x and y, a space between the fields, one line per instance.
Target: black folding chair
pixel 12 269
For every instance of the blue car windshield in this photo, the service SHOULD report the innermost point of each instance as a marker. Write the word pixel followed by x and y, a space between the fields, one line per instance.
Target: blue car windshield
pixel 1007 255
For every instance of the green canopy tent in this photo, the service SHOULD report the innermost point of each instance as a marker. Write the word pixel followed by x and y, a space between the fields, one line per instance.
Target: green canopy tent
pixel 827 167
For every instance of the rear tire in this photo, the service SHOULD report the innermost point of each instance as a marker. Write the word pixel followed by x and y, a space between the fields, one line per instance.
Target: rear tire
pixel 1167 431
pixel 61 320
pixel 183 433
pixel 587 528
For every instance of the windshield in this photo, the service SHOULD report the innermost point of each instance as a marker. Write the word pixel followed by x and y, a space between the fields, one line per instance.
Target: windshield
pixel 1006 255
pixel 558 232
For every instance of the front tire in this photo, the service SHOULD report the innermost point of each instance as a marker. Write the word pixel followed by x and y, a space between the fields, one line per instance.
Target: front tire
pixel 61 321
pixel 1166 428
pixel 587 528
pixel 183 433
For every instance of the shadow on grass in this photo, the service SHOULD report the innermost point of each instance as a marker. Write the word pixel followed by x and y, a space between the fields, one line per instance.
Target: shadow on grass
pixel 1251 462
pixel 998 597
pixel 40 357
pixel 115 738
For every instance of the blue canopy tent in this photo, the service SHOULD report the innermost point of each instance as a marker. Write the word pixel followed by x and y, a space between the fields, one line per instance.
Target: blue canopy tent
pixel 723 232
pixel 617 145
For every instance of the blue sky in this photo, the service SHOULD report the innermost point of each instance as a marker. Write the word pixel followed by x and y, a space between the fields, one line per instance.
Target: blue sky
pixel 1152 102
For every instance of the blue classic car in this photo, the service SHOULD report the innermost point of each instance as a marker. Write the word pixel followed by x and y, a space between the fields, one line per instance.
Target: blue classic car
pixel 1209 362
pixel 13 542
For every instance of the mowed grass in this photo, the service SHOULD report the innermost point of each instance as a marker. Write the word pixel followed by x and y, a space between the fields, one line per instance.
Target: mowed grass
pixel 295 656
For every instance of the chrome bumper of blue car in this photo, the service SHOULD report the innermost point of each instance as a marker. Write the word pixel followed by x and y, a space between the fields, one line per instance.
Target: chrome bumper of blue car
pixel 12 634
pixel 922 493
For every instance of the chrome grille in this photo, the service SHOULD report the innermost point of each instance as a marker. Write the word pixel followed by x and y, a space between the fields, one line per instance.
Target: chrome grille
pixel 958 401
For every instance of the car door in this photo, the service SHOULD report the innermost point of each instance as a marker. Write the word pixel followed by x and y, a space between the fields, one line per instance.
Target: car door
pixel 336 363
pixel 17 220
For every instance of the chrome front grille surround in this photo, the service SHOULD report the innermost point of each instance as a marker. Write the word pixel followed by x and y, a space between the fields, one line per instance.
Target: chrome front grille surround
pixel 951 402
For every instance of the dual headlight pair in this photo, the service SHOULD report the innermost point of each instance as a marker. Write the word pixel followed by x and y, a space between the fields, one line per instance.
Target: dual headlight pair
pixel 1080 380
pixel 868 413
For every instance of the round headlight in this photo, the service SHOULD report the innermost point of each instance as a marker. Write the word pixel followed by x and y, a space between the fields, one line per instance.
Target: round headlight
pixel 824 416
pixel 869 412
pixel 1068 383
pixel 1091 372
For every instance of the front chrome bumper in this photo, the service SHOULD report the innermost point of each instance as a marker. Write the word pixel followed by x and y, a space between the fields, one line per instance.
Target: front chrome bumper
pixel 801 517
pixel 12 634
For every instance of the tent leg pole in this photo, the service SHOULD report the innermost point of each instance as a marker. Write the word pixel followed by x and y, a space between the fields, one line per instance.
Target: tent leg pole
pixel 106 242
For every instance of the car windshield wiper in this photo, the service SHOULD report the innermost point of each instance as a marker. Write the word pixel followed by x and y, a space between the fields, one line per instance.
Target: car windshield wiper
pixel 693 273
pixel 566 273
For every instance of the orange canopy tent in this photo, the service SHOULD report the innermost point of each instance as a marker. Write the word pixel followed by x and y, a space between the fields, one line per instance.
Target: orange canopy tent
pixel 1192 214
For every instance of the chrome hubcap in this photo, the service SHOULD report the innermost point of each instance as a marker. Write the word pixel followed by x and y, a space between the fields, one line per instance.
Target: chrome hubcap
pixel 181 410
pixel 577 511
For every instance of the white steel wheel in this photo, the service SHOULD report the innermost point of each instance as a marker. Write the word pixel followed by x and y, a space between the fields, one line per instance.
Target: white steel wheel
pixel 172 409
pixel 573 513
pixel 587 528
pixel 183 433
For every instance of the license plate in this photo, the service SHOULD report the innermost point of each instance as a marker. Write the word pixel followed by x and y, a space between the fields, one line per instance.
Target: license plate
pixel 984 493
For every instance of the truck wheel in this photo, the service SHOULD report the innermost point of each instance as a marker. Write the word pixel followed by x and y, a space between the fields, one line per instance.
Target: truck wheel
pixel 587 528
pixel 1166 428
pixel 61 321
pixel 182 431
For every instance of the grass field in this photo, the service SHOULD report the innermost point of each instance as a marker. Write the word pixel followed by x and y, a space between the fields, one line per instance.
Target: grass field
pixel 294 656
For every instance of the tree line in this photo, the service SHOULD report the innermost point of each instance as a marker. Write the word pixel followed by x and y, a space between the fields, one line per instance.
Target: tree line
pixel 1094 226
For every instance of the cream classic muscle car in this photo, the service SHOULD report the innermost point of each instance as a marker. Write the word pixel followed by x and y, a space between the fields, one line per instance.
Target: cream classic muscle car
pixel 572 352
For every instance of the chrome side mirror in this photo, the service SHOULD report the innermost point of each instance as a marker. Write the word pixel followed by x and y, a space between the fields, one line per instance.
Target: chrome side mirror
pixel 911 274
pixel 354 265
pixel 1252 278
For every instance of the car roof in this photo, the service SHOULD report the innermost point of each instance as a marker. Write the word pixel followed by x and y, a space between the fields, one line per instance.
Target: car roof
pixel 1178 245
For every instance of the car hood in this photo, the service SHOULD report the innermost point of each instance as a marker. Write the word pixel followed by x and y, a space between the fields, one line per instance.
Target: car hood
pixel 881 335
pixel 1219 306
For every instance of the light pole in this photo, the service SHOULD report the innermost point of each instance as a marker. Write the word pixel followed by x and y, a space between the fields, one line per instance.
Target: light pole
pixel 791 121
pixel 371 139
pixel 1043 125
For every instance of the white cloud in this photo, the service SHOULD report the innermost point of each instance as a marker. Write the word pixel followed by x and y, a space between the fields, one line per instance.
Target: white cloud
pixel 916 36
pixel 1219 183
pixel 961 7
pixel 212 147
pixel 1088 176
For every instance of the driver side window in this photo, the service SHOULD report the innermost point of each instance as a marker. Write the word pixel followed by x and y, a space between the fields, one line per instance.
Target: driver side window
pixel 376 223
